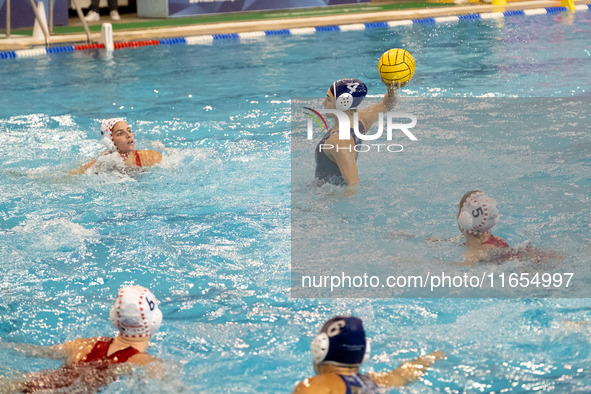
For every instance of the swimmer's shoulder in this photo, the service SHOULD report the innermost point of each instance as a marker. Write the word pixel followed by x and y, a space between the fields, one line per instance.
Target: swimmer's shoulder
pixel 82 169
pixel 143 359
pixel 328 383
pixel 78 348
pixel 150 157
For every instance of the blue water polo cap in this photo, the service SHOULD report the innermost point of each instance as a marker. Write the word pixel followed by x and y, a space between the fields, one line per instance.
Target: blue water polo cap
pixel 341 342
pixel 348 93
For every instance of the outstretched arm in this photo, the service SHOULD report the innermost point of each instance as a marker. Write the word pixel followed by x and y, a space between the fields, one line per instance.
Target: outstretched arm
pixel 407 372
pixel 82 169
pixel 55 352
pixel 70 351
pixel 369 115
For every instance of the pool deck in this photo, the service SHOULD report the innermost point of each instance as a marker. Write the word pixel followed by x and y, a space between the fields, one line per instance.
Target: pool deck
pixel 131 28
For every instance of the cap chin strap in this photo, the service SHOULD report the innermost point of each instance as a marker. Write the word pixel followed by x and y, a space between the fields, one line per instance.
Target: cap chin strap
pixel 367 351
pixel 316 368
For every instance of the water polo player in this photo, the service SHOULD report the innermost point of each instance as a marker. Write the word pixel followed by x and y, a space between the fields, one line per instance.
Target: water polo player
pixel 477 215
pixel 117 137
pixel 336 158
pixel 339 350
pixel 90 363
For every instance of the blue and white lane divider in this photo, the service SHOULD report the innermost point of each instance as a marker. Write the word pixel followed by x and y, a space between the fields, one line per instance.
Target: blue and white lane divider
pixel 255 35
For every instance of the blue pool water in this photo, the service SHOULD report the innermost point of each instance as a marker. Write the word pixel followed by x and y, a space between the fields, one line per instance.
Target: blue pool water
pixel 209 230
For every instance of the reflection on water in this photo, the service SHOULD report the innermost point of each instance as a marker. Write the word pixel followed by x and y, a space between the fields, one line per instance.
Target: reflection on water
pixel 209 230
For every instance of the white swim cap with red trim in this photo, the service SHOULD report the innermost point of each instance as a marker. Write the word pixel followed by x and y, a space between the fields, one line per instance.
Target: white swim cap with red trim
pixel 479 214
pixel 107 133
pixel 136 312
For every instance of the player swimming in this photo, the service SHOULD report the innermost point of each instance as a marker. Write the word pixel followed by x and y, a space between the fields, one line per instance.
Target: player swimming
pixel 117 137
pixel 477 215
pixel 91 363
pixel 339 350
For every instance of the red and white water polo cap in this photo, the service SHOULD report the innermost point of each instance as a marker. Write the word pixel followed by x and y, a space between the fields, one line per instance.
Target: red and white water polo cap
pixel 136 313
pixel 478 214
pixel 107 133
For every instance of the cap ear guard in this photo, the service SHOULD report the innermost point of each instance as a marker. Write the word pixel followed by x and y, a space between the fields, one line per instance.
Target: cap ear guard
pixel 465 221
pixel 156 321
pixel 319 347
pixel 344 102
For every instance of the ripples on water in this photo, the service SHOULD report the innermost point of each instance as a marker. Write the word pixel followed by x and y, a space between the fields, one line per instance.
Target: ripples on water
pixel 209 229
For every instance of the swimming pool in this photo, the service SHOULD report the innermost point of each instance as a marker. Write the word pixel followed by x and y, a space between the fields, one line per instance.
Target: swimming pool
pixel 209 230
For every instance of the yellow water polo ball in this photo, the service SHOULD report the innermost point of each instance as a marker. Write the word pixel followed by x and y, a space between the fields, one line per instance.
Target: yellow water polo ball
pixel 396 65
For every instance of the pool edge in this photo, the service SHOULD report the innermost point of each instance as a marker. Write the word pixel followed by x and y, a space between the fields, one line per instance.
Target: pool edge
pixel 207 33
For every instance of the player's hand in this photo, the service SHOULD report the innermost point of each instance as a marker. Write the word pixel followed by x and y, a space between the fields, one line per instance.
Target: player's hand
pixel 437 355
pixel 393 85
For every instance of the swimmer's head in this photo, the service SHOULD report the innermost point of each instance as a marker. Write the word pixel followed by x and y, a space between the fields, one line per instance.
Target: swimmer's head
pixel 136 313
pixel 348 93
pixel 477 213
pixel 107 133
pixel 341 342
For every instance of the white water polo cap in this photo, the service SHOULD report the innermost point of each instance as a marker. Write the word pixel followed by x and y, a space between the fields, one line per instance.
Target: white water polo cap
pixel 478 214
pixel 136 313
pixel 107 133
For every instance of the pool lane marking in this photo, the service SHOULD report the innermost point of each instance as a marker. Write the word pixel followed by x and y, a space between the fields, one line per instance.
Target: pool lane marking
pixel 354 27
pixel 492 15
pixel 303 31
pixel 404 22
pixel 251 35
pixel 256 35
pixel 452 18
pixel 199 40
pixel 535 12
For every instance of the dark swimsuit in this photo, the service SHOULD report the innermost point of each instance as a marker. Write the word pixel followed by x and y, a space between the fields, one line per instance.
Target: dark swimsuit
pixel 327 171
pixel 66 376
pixel 359 384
